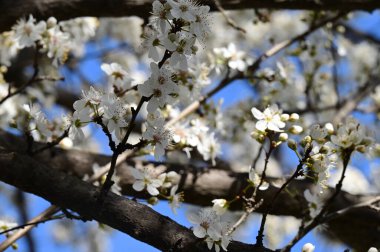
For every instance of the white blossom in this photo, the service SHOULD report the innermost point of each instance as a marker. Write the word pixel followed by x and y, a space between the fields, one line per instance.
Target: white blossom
pixel 118 76
pixel 145 180
pixel 182 9
pixel 308 247
pixel 205 223
pixel 220 206
pixel 269 119
pixel 209 148
pixel 28 32
pixel 159 136
pixel 175 198
pixel 160 86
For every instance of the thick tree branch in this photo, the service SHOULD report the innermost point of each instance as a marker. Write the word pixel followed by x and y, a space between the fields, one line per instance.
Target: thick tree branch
pixel 118 212
pixel 67 9
pixel 203 185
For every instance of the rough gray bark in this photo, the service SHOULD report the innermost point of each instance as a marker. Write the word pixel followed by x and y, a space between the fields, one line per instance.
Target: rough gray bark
pixel 120 213
pixel 200 187
pixel 66 9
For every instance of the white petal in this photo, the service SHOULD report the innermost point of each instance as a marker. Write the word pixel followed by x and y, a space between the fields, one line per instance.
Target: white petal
pixel 152 190
pixel 138 186
pixel 257 114
pixel 199 232
pixel 261 125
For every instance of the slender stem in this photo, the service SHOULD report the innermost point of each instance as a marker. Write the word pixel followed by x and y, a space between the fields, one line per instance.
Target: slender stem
pixel 32 79
pixel 35 223
pixel 297 172
pixel 250 207
pixel 252 69
pixel 17 235
pixel 320 218
pixel 52 143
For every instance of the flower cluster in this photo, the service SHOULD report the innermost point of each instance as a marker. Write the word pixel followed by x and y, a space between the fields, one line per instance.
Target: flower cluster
pixel 351 135
pixel 118 77
pixel 53 38
pixel 209 226
pixel 272 120
pixel 232 57
pixel 197 134
pixel 176 26
pixel 157 183
pixel 103 108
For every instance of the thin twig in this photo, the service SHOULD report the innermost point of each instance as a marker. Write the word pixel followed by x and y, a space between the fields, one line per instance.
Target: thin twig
pixel 346 154
pixel 52 143
pixel 230 22
pixel 27 84
pixel 252 69
pixel 297 172
pixel 32 223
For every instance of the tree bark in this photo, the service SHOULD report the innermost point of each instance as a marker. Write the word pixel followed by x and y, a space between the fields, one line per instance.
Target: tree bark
pixel 12 10
pixel 199 185
pixel 118 212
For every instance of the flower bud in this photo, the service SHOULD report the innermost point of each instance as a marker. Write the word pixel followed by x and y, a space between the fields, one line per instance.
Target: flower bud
pixel 220 206
pixel 51 22
pixel 308 247
pixel 292 144
pixel 306 140
pixel 283 137
pixel 330 128
pixel 294 117
pixel 285 117
pixel 296 129
pixel 259 137
pixel 152 201
pixel 361 148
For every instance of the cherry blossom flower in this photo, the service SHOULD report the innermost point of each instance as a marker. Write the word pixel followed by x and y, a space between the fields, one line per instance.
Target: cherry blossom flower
pixel 235 59
pixel 222 239
pixel 209 148
pixel 160 86
pixel 159 136
pixel 90 98
pixel 175 198
pixel 269 119
pixel 57 44
pixel 200 27
pixel 315 202
pixel 161 14
pixel 114 117
pixel 119 77
pixel 145 180
pixel 27 32
pixel 205 223
pixel 5 225
pixel 318 133
pixel 76 122
pixel 256 180
pixel 351 135
pixel 220 206
pixel 182 9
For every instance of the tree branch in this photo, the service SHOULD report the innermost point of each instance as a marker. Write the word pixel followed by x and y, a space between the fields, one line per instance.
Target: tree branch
pixel 201 186
pixel 67 9
pixel 118 212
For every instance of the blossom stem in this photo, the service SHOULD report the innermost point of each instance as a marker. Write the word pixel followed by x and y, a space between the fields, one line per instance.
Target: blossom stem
pixel 321 218
pixel 297 172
